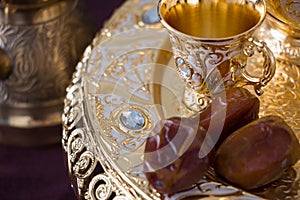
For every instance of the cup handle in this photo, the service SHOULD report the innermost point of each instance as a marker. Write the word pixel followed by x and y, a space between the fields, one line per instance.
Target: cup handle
pixel 269 64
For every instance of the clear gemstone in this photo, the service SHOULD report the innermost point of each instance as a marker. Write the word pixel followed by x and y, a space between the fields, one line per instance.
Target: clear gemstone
pixel 132 119
pixel 183 68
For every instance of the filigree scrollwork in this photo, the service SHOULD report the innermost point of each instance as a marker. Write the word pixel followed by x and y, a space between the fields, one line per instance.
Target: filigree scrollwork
pixel 80 67
pixel 72 113
pixel 75 143
pixel 106 156
pixel 100 187
pixel 74 94
pixel 85 165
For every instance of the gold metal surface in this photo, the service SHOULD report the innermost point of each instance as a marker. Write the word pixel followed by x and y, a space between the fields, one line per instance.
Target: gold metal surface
pixel 281 29
pixel 154 88
pixel 287 11
pixel 104 158
pixel 212 42
pixel 211 19
pixel 39 52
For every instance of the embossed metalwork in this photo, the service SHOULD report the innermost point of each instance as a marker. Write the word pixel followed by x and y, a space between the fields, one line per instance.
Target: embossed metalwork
pixel 283 41
pixel 111 158
pixel 102 191
pixel 215 61
pixel 44 52
pixel 281 29
pixel 286 11
pixel 94 176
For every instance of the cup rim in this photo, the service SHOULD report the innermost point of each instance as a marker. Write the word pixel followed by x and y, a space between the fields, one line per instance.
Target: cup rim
pixel 234 37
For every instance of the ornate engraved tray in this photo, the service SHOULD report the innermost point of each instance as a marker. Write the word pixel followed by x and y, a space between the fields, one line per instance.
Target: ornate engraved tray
pixel 124 84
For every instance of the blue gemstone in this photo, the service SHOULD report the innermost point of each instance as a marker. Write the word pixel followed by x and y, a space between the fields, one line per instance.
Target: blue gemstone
pixel 132 119
pixel 150 16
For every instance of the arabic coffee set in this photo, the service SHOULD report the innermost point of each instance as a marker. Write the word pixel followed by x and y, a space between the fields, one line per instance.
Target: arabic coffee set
pixel 139 68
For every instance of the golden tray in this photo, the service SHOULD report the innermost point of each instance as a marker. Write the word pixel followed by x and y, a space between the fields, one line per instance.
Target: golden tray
pixel 129 68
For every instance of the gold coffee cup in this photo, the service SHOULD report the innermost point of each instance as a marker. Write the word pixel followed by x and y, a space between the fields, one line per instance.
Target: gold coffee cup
pixel 212 41
pixel 281 30
pixel 285 11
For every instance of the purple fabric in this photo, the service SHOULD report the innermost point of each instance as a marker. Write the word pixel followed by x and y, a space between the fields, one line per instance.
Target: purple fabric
pixel 40 173
pixel 101 10
pixel 34 173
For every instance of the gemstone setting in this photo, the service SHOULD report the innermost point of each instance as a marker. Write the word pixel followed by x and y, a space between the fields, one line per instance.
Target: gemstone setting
pixel 132 119
pixel 183 68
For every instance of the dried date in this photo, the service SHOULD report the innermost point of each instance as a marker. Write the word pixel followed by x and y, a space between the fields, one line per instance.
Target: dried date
pixel 172 162
pixel 257 153
pixel 240 108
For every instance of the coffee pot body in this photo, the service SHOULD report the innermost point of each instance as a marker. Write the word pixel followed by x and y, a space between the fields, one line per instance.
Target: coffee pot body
pixel 41 42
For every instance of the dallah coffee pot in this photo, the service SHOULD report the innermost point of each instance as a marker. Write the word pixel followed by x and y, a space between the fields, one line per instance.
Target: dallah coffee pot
pixel 40 44
pixel 41 41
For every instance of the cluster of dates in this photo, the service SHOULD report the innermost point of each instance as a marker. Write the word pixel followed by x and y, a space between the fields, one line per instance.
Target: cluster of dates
pixel 245 150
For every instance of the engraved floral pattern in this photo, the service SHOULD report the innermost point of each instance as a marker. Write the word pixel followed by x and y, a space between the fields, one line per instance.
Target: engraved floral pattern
pixel 44 57
pixel 91 133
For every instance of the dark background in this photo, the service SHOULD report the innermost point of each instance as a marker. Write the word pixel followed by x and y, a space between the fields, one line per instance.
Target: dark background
pixel 40 173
